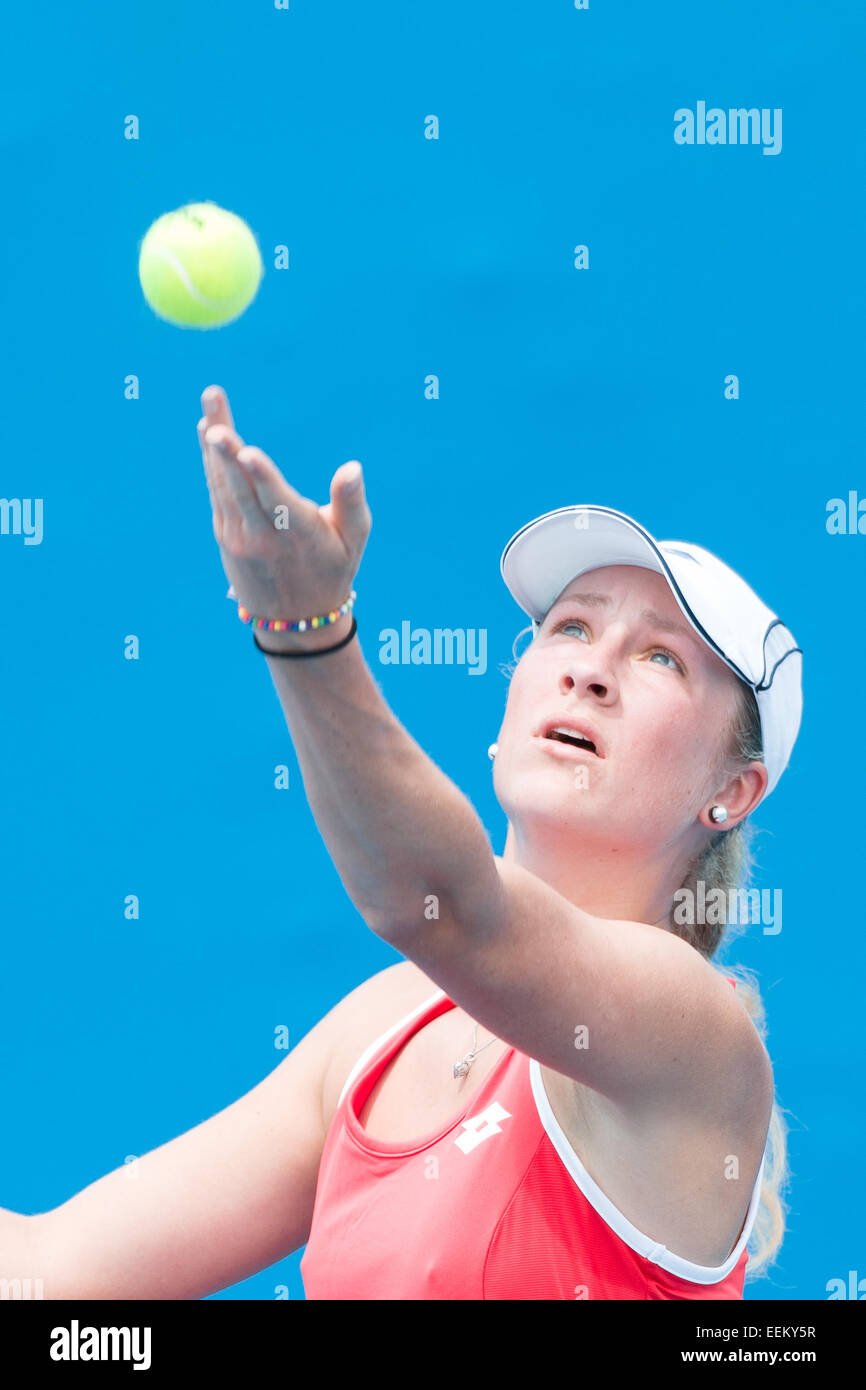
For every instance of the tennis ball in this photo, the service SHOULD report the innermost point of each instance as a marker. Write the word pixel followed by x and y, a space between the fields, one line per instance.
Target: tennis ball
pixel 199 266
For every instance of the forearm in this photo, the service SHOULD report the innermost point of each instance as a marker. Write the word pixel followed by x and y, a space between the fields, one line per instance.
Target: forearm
pixel 397 828
pixel 17 1272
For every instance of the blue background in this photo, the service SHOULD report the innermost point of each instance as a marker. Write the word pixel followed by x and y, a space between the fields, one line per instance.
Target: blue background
pixel 408 257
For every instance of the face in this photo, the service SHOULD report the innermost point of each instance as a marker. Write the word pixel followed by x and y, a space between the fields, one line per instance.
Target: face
pixel 616 658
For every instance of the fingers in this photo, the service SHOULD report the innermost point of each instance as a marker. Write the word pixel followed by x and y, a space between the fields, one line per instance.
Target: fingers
pixel 201 430
pixel 215 404
pixel 273 493
pixel 348 509
pixel 248 491
pixel 235 497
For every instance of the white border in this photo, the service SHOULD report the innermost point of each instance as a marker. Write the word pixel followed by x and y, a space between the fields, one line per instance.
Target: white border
pixel 650 1249
pixel 383 1037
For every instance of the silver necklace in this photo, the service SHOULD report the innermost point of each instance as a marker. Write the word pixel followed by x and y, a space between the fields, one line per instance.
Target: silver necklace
pixel 461 1068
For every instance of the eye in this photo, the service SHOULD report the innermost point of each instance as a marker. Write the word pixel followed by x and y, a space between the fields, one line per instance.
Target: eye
pixel 663 651
pixel 569 622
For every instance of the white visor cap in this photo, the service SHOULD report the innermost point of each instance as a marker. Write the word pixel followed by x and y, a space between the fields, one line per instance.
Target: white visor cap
pixel 544 556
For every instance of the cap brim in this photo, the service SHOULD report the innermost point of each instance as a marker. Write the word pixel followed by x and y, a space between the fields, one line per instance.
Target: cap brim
pixel 546 554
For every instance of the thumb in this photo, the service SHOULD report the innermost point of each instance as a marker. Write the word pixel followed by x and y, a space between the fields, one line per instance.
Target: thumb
pixel 349 511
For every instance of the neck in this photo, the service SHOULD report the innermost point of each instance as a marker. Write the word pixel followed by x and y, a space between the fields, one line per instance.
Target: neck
pixel 612 883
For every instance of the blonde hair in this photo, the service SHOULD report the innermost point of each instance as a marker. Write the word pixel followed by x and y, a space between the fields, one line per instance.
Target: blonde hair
pixel 726 863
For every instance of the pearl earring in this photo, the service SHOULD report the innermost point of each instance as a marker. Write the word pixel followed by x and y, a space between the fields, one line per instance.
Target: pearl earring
pixel 718 814
pixel 492 751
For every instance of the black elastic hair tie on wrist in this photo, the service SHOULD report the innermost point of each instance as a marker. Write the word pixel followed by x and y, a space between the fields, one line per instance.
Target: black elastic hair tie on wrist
pixel 314 651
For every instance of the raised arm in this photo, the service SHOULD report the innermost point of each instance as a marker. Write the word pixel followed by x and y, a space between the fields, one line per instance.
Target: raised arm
pixel 396 827
pixel 527 963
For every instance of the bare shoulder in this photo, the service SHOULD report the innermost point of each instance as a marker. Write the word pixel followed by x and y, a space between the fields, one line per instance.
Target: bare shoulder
pixel 361 1017
pixel 751 1086
pixel 734 1100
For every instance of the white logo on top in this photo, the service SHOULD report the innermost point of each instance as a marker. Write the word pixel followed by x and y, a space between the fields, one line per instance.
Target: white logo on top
pixel 481 1127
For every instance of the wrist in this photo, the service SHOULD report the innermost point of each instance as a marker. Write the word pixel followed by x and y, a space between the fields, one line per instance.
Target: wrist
pixel 313 639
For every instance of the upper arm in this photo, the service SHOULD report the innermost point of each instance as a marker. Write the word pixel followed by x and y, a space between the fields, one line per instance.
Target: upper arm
pixel 630 1010
pixel 227 1198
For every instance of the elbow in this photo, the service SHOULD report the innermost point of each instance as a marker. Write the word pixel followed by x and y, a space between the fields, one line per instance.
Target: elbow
pixel 428 915
pixel 393 925
pixel 407 911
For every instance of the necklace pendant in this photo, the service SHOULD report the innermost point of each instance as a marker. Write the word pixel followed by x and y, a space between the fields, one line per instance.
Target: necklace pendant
pixel 461 1068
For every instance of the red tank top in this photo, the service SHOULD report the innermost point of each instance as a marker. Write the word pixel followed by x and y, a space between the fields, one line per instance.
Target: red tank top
pixel 495 1205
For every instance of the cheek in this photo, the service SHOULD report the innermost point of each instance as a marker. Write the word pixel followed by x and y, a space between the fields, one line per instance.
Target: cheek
pixel 665 732
pixel 673 757
pixel 522 697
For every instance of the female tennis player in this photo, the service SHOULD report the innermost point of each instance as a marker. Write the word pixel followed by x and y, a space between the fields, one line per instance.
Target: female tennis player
pixel 556 1094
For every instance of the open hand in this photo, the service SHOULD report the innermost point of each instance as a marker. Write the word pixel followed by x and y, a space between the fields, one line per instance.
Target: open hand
pixel 285 556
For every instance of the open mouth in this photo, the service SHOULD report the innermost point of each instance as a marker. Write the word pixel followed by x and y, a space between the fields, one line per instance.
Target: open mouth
pixel 563 734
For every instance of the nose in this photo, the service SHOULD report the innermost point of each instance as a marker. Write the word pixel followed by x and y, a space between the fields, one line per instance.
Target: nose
pixel 590 669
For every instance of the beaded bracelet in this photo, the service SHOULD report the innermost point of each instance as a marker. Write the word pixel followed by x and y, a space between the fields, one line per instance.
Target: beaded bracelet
pixel 312 651
pixel 302 624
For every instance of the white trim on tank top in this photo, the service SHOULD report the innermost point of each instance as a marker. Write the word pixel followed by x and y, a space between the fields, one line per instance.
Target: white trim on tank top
pixel 389 1033
pixel 651 1249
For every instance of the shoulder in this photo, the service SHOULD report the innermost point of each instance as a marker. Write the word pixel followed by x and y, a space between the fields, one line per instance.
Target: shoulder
pixel 731 1089
pixel 750 1091
pixel 361 1017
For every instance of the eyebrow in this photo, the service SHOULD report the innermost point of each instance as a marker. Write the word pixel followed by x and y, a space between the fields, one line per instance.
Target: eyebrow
pixel 591 601
pixel 649 614
pixel 668 625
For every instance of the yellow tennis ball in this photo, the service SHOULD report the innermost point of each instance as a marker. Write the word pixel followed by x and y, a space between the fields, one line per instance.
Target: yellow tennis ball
pixel 199 266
